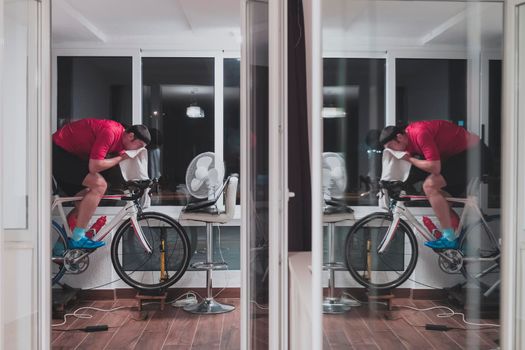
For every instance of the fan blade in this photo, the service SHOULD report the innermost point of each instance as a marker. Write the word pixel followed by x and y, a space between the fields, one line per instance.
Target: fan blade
pixel 201 172
pixel 204 162
pixel 340 183
pixel 326 177
pixel 196 184
pixel 333 162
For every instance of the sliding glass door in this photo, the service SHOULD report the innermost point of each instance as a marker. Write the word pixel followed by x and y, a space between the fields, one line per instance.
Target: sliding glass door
pixel 25 180
pixel 255 180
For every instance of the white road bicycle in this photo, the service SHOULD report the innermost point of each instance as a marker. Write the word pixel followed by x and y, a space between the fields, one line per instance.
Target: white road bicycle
pixel 150 251
pixel 381 249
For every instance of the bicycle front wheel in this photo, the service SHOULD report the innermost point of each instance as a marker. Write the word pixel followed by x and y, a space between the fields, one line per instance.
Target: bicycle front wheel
pixel 159 269
pixel 380 271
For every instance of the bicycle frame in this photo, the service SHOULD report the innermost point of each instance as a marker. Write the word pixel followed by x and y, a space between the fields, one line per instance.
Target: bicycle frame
pixel 129 210
pixel 401 211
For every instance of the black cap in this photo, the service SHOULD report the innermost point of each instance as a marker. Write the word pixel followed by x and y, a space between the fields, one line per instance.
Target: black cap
pixel 389 133
pixel 141 132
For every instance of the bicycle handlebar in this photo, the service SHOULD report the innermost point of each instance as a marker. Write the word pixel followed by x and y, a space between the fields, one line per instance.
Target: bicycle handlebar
pixel 394 189
pixel 137 188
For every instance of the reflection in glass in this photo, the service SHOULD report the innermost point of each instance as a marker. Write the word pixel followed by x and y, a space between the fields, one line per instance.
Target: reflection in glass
pixel 232 116
pixel 494 139
pixel 520 113
pixel 428 89
pixel 397 62
pixel 170 86
pixel 355 87
pixel 256 179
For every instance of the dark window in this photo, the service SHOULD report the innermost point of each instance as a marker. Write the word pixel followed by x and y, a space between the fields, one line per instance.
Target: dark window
pixel 428 89
pixel 357 87
pixel 232 116
pixel 94 87
pixel 170 86
pixel 431 89
pixel 494 139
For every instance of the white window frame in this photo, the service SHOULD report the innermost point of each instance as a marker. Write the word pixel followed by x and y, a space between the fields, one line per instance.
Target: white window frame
pixel 136 54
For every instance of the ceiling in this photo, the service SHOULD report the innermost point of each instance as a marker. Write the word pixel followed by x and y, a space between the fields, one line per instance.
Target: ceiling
pixel 384 25
pixel 215 24
pixel 189 24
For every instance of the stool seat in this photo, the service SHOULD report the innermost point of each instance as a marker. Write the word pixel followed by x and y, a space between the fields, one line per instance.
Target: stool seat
pixel 336 217
pixel 215 218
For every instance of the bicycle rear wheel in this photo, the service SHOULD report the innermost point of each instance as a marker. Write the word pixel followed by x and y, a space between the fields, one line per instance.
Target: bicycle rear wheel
pixel 481 257
pixel 380 271
pixel 159 269
pixel 58 251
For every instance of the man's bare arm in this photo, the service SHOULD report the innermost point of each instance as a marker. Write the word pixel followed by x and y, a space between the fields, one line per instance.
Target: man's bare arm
pixel 430 166
pixel 98 165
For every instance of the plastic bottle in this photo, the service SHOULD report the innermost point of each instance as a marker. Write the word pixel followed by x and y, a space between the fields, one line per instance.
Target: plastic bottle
pixel 101 221
pixel 432 227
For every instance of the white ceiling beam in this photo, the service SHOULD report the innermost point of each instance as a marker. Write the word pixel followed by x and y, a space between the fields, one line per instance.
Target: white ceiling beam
pixel 80 18
pixel 443 27
pixel 185 15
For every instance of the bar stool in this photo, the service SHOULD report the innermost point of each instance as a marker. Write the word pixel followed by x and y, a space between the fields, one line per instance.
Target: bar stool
pixel 331 303
pixel 209 305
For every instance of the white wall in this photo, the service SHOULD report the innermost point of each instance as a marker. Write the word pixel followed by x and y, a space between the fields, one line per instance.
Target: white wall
pixel 14 110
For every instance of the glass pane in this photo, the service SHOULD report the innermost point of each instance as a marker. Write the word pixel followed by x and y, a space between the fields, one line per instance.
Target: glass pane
pixel 232 116
pixel 354 114
pixel 428 89
pixel 16 102
pixel 520 115
pixel 257 178
pixel 393 63
pixel 170 86
pixel 494 128
pixel 94 87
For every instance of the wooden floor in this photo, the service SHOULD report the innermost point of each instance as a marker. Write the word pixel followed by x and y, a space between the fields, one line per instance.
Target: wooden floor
pixel 362 327
pixel 366 328
pixel 172 328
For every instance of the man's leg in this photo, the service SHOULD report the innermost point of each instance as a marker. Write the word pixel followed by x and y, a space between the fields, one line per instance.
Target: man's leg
pixel 86 208
pixel 432 187
pixel 72 216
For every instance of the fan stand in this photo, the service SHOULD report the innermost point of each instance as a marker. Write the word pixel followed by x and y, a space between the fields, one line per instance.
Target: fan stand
pixel 331 303
pixel 209 305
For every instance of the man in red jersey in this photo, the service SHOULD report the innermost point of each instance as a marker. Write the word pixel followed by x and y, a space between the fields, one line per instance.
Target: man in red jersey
pixel 446 150
pixel 83 153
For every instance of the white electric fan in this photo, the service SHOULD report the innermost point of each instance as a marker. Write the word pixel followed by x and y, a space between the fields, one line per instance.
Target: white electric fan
pixel 334 176
pixel 204 176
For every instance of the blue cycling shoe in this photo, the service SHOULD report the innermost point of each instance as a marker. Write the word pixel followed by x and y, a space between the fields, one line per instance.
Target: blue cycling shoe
pixel 85 243
pixel 443 243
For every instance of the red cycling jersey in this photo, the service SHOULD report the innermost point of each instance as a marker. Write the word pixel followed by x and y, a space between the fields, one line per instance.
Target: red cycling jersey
pixel 91 138
pixel 438 139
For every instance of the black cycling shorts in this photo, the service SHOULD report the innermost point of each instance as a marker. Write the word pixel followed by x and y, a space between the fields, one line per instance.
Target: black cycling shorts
pixel 458 170
pixel 70 171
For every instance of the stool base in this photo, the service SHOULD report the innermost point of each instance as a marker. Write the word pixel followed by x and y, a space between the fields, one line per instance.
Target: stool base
pixel 335 306
pixel 209 306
